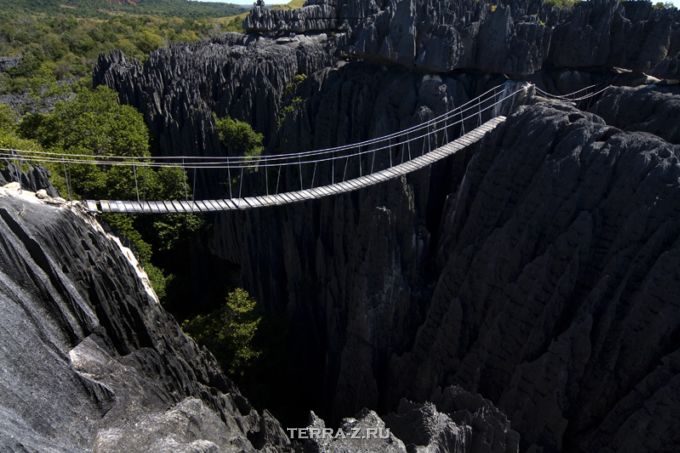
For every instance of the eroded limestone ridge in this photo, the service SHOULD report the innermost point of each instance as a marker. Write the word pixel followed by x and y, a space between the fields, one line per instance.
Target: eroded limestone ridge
pixel 517 37
pixel 89 358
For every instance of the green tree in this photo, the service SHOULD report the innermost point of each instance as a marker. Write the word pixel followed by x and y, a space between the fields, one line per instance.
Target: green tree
pixel 95 124
pixel 229 332
pixel 95 120
pixel 239 137
pixel 8 118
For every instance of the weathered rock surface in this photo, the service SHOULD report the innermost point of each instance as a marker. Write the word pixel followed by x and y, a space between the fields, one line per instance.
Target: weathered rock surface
pixel 645 109
pixel 536 268
pixel 33 178
pixel 365 433
pixel 179 88
pixel 317 16
pixel 540 284
pixel 89 359
pixel 517 37
pixel 357 101
pixel 554 269
pixel 458 421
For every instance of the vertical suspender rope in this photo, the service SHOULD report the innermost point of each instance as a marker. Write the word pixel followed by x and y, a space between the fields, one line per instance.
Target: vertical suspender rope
pixel 17 171
pixel 193 191
pixel 333 168
pixel 361 170
pixel 372 161
pixel 479 107
pixel 186 185
pixel 229 179
pixel 313 175
pixel 390 148
pixel 278 179
pixel 266 179
pixel 408 146
pixel 344 172
pixel 66 180
pixel 134 171
pixel 240 184
pixel 300 168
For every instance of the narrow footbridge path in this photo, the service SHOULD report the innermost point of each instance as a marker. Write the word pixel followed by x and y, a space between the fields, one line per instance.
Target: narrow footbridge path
pixel 229 204
pixel 272 180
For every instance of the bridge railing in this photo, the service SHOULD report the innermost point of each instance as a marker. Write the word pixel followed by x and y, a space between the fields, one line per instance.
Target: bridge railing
pixel 274 173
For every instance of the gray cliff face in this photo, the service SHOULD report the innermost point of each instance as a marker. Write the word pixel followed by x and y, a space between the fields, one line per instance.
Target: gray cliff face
pixel 459 422
pixel 540 284
pixel 355 101
pixel 31 178
pixel 178 89
pixel 89 358
pixel 535 269
pixel 554 268
pixel 518 37
pixel 646 110
pixel 317 16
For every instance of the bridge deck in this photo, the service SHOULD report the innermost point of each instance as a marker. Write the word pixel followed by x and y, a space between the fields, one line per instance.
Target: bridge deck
pixel 181 206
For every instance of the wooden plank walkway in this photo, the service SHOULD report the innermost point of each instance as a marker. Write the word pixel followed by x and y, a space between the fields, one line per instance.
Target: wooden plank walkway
pixel 181 206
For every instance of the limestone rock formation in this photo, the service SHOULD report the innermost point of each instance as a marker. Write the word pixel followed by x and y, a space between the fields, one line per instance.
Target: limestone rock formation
pixel 535 269
pixel 365 433
pixel 537 282
pixel 459 421
pixel 647 109
pixel 316 17
pixel 89 358
pixel 33 178
pixel 516 37
pixel 179 88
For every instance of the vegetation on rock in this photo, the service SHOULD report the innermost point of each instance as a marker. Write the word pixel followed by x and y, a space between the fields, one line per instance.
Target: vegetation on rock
pixel 238 137
pixel 229 332
pixel 49 50
pixel 94 124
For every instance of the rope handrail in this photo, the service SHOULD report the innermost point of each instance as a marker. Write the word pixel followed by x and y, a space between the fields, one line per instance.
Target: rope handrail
pixel 565 96
pixel 255 163
pixel 290 159
pixel 443 117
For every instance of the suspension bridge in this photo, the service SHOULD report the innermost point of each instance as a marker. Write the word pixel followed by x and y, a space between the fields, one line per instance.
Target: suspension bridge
pixel 280 179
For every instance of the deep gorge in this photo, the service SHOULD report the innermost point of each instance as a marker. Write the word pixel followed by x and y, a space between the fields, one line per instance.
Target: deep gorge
pixel 524 290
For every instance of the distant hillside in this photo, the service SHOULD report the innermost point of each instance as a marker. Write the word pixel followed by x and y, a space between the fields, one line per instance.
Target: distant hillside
pixel 175 8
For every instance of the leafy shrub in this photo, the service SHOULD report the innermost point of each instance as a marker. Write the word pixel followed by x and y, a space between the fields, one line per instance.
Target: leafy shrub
pixel 238 137
pixel 8 118
pixel 564 4
pixel 229 332
pixel 94 124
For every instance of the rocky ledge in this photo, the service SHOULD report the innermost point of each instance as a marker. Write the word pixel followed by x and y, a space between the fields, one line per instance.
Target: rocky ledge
pixel 89 358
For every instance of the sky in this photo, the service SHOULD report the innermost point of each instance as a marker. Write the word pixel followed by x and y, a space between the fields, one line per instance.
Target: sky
pixel 281 2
